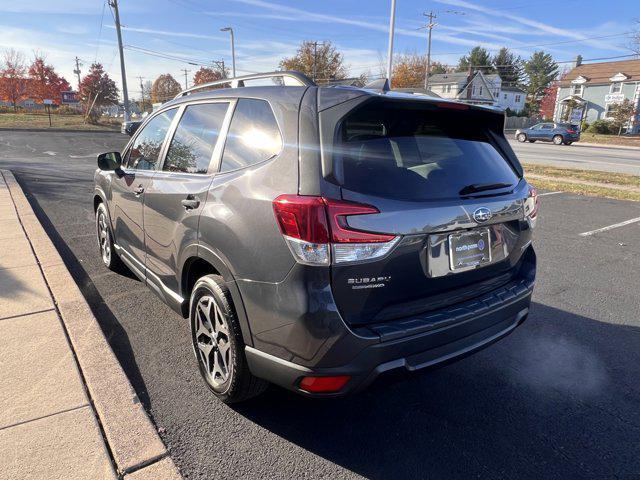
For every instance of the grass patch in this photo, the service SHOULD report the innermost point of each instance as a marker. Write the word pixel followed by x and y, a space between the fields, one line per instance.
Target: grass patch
pixel 629 141
pixel 67 122
pixel 607 188
pixel 587 190
pixel 588 175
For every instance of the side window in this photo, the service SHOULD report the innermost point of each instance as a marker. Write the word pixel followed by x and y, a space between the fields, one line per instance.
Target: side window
pixel 145 151
pixel 253 135
pixel 547 126
pixel 192 145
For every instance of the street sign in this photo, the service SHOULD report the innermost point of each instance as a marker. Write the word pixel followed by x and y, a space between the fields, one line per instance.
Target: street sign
pixel 47 101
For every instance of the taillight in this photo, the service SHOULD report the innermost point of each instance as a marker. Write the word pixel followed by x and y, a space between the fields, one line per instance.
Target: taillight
pixel 316 229
pixel 571 131
pixel 532 204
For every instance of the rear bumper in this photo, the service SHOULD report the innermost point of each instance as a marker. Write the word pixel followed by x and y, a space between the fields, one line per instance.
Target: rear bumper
pixel 415 343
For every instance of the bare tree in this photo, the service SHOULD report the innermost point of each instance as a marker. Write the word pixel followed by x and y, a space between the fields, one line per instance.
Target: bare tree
pixel 635 40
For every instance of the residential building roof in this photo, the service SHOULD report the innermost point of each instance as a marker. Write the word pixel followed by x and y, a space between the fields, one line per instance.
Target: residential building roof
pixel 454 77
pixel 600 73
pixel 512 89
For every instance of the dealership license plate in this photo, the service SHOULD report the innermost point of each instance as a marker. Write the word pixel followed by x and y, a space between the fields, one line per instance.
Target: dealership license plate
pixel 469 249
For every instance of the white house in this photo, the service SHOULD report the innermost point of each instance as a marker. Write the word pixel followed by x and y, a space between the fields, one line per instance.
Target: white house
pixel 477 88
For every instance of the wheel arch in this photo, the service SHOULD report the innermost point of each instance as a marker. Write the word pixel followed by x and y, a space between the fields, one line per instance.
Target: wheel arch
pixel 203 261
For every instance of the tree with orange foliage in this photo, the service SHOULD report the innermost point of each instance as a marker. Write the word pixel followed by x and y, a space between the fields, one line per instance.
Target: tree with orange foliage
pixel 409 70
pixel 206 75
pixel 12 77
pixel 45 83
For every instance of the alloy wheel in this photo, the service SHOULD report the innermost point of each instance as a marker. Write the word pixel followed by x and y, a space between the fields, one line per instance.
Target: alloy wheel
pixel 104 238
pixel 212 341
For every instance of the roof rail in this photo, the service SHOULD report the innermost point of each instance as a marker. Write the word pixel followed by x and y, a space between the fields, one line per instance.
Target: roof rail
pixel 290 78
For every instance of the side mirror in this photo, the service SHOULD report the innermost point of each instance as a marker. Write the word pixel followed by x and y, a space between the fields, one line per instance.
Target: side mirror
pixel 110 162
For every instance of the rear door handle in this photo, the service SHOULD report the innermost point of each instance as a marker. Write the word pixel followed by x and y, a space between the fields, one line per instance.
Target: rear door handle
pixel 190 202
pixel 138 191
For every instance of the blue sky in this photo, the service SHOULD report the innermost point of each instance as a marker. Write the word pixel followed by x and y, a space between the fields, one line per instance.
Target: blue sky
pixel 267 30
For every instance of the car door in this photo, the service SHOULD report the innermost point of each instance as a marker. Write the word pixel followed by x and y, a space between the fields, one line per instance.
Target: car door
pixel 534 132
pixel 176 194
pixel 139 165
pixel 546 132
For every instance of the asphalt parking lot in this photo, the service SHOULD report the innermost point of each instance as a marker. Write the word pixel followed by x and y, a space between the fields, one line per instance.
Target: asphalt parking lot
pixel 556 399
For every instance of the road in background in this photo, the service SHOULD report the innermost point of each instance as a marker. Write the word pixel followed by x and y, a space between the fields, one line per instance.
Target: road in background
pixel 603 158
pixel 556 399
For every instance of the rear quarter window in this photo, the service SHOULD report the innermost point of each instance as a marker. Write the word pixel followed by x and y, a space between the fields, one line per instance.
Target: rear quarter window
pixel 253 135
pixel 398 152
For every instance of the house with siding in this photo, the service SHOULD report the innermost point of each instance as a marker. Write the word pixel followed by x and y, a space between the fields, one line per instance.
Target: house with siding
pixel 590 92
pixel 477 88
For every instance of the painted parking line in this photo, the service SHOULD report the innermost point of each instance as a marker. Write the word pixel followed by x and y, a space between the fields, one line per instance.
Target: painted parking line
pixel 610 227
pixel 548 193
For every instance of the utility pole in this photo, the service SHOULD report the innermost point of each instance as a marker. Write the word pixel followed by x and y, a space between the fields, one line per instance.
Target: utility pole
pixel 430 26
pixel 392 26
pixel 77 71
pixel 186 82
pixel 142 100
pixel 233 50
pixel 315 58
pixel 114 4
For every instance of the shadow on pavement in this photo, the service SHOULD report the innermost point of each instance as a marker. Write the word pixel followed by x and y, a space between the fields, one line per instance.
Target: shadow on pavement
pixel 556 399
pixel 112 329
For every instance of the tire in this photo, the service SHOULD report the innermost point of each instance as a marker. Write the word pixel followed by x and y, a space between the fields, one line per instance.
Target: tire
pixel 532 141
pixel 105 240
pixel 522 137
pixel 568 143
pixel 557 140
pixel 217 342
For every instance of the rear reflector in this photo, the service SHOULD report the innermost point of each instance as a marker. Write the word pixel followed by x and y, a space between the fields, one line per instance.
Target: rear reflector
pixel 324 384
pixel 316 227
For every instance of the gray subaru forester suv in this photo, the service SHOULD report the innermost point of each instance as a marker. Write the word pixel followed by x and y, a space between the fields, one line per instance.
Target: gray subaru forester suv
pixel 316 237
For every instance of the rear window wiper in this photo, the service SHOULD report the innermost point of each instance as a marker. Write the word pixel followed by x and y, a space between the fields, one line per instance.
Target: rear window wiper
pixel 481 187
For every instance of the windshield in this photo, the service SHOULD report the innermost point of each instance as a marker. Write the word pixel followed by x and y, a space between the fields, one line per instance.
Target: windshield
pixel 392 151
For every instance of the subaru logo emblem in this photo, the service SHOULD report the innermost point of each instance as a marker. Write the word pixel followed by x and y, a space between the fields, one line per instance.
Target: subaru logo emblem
pixel 482 214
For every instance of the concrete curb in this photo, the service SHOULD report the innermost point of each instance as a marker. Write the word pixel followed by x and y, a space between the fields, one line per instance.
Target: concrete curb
pixel 130 435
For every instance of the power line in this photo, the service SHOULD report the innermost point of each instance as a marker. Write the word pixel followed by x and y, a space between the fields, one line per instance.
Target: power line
pixel 104 4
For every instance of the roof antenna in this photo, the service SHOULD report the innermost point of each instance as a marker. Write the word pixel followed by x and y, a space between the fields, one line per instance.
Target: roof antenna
pixel 381 85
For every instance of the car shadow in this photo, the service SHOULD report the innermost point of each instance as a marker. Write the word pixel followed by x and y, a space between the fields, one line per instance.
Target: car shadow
pixel 556 399
pixel 115 334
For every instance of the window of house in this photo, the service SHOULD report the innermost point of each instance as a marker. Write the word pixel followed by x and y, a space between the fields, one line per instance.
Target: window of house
pixel 518 98
pixel 577 90
pixel 447 88
pixel 253 135
pixel 480 90
pixel 616 87
pixel 611 107
pixel 191 148
pixel 505 96
pixel 146 147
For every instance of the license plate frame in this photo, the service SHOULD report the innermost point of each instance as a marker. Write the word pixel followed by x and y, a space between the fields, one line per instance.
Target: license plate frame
pixel 470 249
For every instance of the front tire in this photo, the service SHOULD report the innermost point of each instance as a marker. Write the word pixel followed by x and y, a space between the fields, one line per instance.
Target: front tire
pixel 557 139
pixel 218 344
pixel 522 137
pixel 108 254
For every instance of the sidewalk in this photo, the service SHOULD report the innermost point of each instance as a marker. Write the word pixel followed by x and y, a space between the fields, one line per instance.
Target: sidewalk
pixel 67 410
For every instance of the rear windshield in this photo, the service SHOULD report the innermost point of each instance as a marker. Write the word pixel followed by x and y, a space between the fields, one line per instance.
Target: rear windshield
pixel 397 151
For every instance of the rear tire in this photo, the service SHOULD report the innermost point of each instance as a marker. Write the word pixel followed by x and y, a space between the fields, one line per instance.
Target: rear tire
pixel 557 140
pixel 522 137
pixel 568 143
pixel 218 344
pixel 532 141
pixel 108 254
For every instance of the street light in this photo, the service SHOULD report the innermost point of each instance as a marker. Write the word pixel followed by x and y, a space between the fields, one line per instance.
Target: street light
pixel 233 50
